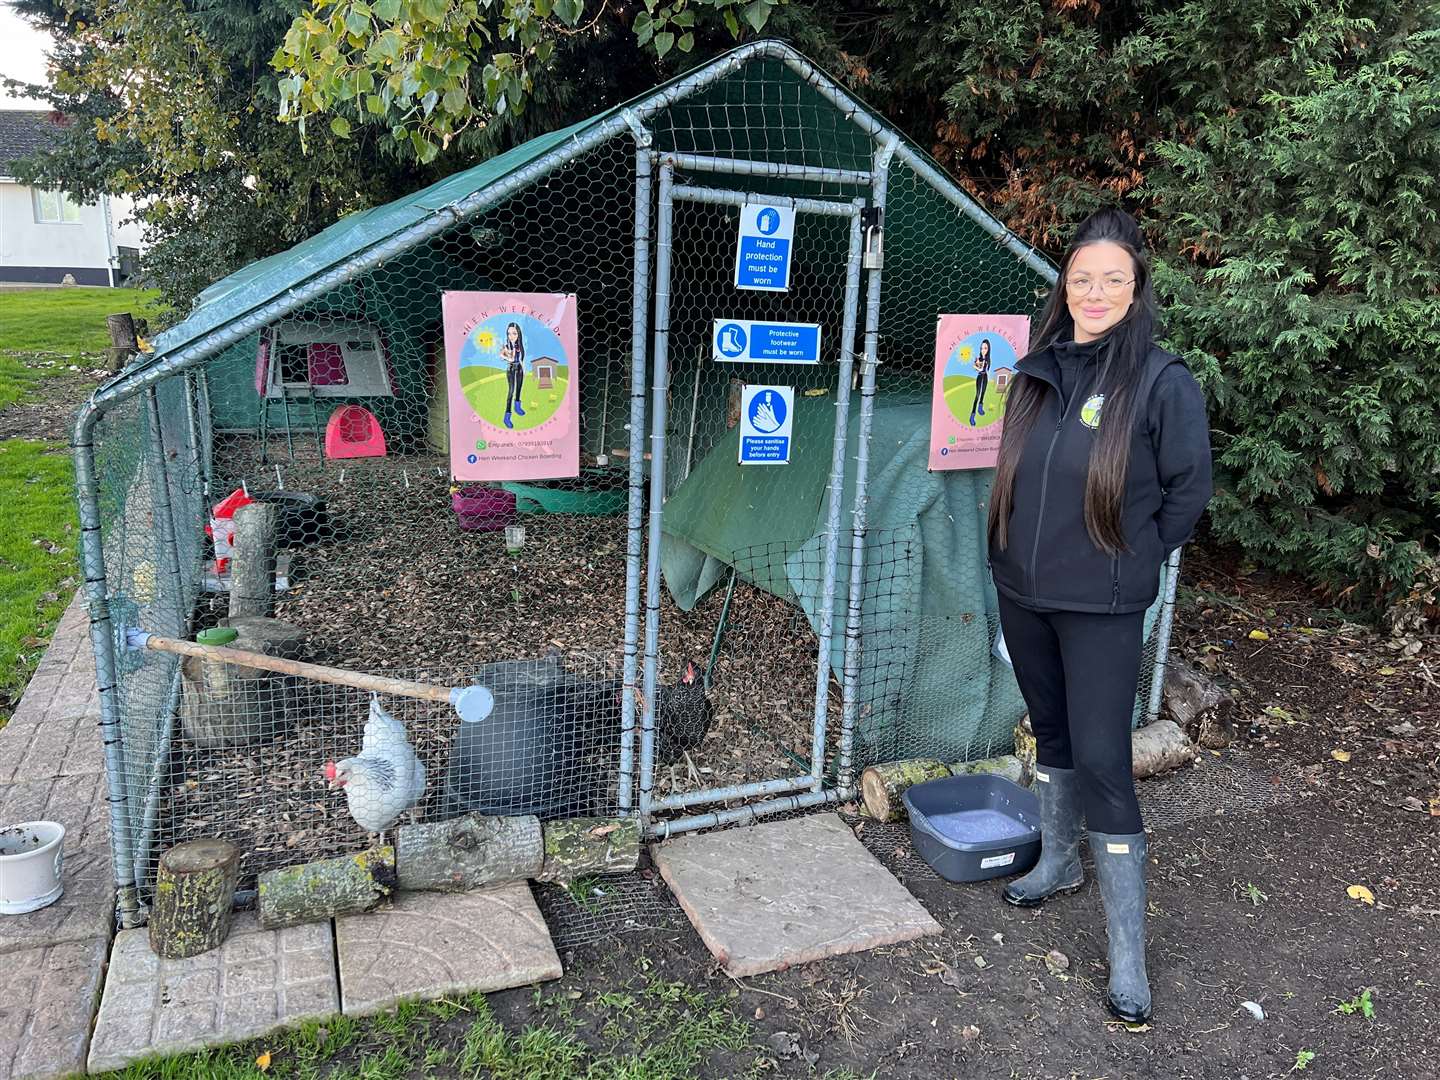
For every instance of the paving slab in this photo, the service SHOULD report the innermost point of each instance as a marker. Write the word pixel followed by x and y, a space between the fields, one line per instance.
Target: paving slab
pixel 767 897
pixel 255 983
pixel 47 997
pixel 428 945
pixel 86 908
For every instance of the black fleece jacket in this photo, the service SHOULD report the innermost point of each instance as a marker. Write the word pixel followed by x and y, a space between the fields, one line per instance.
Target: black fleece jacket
pixel 1050 562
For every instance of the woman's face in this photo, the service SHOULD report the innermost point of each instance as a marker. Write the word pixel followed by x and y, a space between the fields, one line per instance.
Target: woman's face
pixel 984 350
pixel 1099 288
pixel 512 334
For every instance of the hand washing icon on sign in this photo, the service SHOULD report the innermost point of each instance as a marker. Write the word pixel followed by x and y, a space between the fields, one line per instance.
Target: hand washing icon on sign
pixel 767 412
pixel 767 221
pixel 731 339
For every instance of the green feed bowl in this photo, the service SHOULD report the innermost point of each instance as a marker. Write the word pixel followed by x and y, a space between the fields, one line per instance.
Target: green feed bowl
pixel 534 499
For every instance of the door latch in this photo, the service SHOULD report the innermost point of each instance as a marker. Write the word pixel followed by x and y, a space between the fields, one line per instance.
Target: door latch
pixel 873 252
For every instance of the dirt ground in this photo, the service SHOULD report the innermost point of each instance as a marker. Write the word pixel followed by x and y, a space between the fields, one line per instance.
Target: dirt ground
pixel 49 405
pixel 1248 901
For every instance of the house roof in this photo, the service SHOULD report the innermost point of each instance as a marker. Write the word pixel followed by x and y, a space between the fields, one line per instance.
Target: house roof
pixel 24 132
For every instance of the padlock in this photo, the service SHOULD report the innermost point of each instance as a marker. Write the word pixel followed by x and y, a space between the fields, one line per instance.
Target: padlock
pixel 873 254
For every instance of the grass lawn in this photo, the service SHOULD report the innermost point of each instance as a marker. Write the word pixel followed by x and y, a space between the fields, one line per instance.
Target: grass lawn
pixel 37 556
pixel 69 322
pixel 652 1030
pixel 43 332
pixel 485 390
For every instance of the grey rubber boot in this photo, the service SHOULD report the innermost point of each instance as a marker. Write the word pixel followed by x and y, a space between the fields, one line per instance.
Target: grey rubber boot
pixel 1060 827
pixel 1120 867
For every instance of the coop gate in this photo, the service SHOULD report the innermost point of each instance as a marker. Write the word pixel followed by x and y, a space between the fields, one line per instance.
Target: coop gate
pixel 696 211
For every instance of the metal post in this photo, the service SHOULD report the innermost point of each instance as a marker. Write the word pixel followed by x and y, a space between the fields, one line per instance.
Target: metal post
pixel 164 512
pixel 192 427
pixel 102 640
pixel 1162 637
pixel 663 830
pixel 207 430
pixel 825 631
pixel 778 170
pixel 657 487
pixel 845 772
pixel 635 533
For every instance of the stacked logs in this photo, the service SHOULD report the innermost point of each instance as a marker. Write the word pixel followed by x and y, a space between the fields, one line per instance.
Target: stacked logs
pixel 195 885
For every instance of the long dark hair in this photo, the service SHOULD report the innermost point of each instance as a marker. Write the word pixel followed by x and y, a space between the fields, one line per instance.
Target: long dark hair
pixel 1122 356
pixel 518 355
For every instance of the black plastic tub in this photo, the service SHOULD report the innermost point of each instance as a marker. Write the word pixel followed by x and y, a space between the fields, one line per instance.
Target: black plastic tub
pixel 972 828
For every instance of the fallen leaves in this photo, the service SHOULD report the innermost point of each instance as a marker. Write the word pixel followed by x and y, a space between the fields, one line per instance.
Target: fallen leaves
pixel 1361 893
pixel 263 1061
pixel 1258 635
pixel 1340 755
pixel 1057 963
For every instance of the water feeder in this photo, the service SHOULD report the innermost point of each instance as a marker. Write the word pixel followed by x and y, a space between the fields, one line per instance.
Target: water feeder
pixel 32 855
pixel 974 826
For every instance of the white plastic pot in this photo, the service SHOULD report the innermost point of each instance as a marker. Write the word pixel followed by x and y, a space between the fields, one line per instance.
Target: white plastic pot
pixel 31 857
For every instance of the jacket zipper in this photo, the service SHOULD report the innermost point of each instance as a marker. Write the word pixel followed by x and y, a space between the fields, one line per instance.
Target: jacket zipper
pixel 1114 583
pixel 1044 487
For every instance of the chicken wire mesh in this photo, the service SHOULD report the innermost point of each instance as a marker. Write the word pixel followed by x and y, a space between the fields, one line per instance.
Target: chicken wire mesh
pixel 386 564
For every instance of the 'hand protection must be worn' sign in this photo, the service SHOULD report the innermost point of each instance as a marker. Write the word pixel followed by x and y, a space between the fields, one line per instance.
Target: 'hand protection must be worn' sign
pixel 767 414
pixel 762 253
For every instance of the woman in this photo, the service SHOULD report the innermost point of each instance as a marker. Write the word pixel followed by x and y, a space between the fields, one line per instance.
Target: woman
pixel 982 379
pixel 1103 471
pixel 513 353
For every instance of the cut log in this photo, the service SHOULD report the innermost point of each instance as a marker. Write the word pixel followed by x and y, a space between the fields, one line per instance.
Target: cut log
pixel 1160 747
pixel 1007 765
pixel 252 566
pixel 882 786
pixel 314 891
pixel 577 847
pixel 194 896
pixel 1187 693
pixel 467 852
pixel 234 705
pixel 1025 747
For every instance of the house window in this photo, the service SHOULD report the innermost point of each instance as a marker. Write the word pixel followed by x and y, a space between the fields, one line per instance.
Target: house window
pixel 55 208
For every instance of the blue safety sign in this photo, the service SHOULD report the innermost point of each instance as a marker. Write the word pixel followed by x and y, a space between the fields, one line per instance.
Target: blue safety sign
pixel 767 415
pixel 762 253
pixel 744 340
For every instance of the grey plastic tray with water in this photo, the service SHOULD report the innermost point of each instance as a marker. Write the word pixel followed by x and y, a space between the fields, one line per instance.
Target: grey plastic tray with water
pixel 977 826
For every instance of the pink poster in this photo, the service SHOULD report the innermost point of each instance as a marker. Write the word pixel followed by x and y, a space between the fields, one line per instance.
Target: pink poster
pixel 975 358
pixel 513 373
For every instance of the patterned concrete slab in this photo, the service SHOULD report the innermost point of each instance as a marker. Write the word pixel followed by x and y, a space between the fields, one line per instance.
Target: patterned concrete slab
pixel 770 896
pixel 258 981
pixel 427 945
pixel 47 997
pixel 86 909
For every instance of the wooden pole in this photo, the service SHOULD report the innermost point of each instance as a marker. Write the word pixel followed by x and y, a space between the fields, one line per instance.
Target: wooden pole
pixel 123 342
pixel 252 567
pixel 222 654
pixel 194 893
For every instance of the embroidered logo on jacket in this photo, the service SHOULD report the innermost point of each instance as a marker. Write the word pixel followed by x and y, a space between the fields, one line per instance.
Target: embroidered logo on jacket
pixel 1090 411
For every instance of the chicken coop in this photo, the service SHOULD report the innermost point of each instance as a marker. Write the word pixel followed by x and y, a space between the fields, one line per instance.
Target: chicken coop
pixel 653 629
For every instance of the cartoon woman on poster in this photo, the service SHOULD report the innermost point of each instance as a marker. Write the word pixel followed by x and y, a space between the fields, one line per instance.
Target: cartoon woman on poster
pixel 982 379
pixel 513 353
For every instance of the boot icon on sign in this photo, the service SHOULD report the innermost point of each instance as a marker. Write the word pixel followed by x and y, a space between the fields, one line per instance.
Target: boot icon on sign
pixel 731 339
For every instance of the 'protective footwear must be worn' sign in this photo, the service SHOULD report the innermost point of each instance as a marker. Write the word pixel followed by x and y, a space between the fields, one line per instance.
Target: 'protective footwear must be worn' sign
pixel 767 415
pixel 744 340
pixel 762 253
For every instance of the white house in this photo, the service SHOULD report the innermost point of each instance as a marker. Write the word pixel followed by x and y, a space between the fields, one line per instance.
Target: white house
pixel 45 235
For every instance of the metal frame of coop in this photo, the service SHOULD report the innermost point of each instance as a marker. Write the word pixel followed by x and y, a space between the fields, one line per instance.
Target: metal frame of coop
pixel 171 394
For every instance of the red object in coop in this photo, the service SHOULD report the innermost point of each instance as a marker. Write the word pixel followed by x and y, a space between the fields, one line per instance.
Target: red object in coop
pixel 353 432
pixel 483 509
pixel 222 526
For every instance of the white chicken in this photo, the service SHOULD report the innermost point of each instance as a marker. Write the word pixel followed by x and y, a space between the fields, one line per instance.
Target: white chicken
pixel 385 779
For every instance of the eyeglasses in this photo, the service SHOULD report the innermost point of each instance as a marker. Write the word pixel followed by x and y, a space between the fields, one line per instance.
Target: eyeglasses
pixel 1112 285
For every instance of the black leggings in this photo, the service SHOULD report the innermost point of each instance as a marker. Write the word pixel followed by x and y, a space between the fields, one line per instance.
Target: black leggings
pixel 1077 672
pixel 981 381
pixel 514 383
